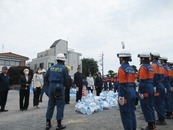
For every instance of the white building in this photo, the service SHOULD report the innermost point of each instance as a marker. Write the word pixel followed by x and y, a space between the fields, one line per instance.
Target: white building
pixel 47 58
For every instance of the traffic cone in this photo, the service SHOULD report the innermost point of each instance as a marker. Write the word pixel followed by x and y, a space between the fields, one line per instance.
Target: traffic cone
pixel 83 92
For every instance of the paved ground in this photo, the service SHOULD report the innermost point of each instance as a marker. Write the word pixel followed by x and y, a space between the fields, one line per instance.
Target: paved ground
pixel 34 119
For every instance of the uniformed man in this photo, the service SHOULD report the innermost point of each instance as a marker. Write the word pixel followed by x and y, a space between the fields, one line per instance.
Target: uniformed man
pixel 146 90
pixel 57 77
pixel 4 87
pixel 171 74
pixel 159 89
pixel 167 84
pixel 126 91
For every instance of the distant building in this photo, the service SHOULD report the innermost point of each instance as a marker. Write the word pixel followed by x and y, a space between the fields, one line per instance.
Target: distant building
pixel 11 59
pixel 47 58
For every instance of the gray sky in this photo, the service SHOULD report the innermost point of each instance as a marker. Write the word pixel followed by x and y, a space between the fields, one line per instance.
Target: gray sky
pixel 90 27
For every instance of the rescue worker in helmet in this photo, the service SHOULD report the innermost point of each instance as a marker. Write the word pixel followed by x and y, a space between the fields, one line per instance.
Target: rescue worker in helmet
pixel 167 84
pixel 171 67
pixel 146 90
pixel 57 77
pixel 126 91
pixel 159 89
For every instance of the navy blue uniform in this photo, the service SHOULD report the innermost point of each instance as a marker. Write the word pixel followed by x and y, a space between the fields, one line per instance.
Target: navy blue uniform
pixel 126 79
pixel 146 88
pixel 57 77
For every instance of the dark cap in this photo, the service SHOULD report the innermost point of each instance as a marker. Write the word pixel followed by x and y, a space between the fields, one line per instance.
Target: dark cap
pixel 4 68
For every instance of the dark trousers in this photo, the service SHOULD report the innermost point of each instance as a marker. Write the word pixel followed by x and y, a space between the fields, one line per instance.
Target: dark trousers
pixel 41 95
pixel 159 102
pixel 67 95
pixel 89 89
pixel 24 99
pixel 3 99
pixel 79 94
pixel 98 91
pixel 37 92
pixel 147 106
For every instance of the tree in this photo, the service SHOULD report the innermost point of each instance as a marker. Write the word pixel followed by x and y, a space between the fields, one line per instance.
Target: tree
pixel 15 73
pixel 110 73
pixel 89 65
pixel 135 68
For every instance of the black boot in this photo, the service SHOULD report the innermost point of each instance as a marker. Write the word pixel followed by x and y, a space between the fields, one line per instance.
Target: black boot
pixel 169 115
pixel 60 126
pixel 160 122
pixel 48 124
pixel 151 126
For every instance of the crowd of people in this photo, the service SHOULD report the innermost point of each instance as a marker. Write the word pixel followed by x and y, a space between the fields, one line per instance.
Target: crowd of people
pixel 155 77
pixel 155 89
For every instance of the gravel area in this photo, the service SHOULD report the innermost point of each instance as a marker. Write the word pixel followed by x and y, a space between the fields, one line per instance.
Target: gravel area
pixel 34 119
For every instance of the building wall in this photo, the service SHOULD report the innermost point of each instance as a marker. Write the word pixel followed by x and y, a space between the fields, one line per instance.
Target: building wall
pixel 48 57
pixel 10 62
pixel 74 61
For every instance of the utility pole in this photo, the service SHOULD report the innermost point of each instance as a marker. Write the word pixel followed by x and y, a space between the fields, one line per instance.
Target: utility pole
pixel 2 47
pixel 123 45
pixel 102 63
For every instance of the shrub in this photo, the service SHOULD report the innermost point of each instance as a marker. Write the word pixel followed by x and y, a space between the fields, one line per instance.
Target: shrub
pixel 16 72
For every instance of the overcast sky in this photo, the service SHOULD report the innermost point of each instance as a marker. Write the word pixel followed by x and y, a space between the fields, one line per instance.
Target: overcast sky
pixel 90 27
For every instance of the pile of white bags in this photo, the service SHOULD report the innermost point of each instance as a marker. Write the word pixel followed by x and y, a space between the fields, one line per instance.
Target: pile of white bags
pixel 90 104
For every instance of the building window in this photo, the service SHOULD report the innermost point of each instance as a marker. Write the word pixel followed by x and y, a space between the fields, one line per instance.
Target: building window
pixel 1 62
pixel 17 63
pixel 50 64
pixel 65 55
pixel 35 67
pixel 41 65
pixel 7 62
pixel 14 63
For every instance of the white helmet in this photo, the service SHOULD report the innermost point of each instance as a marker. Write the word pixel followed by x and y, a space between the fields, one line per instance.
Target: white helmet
pixel 144 55
pixel 61 57
pixel 163 58
pixel 155 54
pixel 170 62
pixel 124 53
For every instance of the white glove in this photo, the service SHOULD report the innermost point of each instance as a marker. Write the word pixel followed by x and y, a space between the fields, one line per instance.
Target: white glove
pixel 165 90
pixel 141 96
pixel 154 89
pixel 121 100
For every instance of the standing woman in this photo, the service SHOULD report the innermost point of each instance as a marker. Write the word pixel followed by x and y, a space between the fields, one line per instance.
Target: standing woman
pixel 126 91
pixel 25 82
pixel 90 81
pixel 37 86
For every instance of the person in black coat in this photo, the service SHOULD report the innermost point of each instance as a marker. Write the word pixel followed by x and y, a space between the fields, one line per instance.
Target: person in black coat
pixel 25 82
pixel 98 84
pixel 4 87
pixel 78 81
